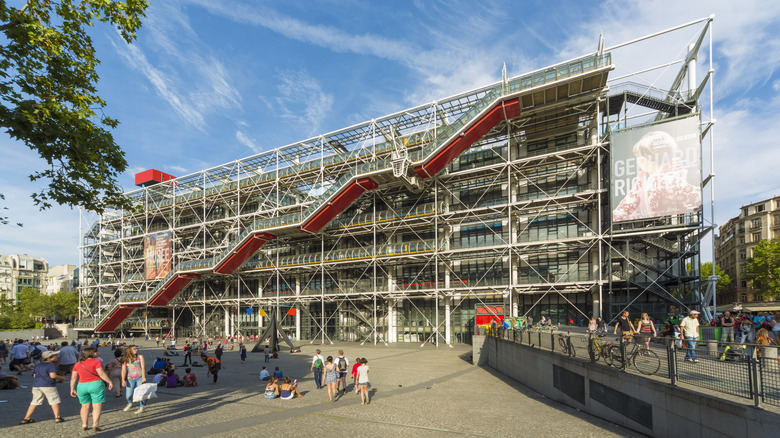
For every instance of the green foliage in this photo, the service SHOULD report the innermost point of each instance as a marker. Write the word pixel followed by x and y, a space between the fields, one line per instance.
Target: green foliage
pixel 764 268
pixel 65 304
pixel 725 280
pixel 49 101
pixel 35 305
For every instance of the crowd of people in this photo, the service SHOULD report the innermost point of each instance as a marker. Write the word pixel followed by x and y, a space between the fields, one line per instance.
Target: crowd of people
pixel 78 363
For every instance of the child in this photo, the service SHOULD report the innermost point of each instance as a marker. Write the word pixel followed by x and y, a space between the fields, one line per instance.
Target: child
pixel 354 374
pixel 189 378
pixel 44 379
pixel 242 347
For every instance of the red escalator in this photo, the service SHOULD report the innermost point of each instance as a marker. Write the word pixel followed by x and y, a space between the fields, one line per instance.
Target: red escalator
pixel 502 111
pixel 339 204
pixel 243 253
pixel 172 288
pixel 117 315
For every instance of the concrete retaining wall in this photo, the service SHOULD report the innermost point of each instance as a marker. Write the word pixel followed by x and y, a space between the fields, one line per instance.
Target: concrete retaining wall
pixel 642 404
pixel 52 333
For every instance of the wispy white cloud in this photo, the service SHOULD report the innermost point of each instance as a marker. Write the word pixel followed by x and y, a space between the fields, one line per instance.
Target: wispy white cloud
pixel 178 169
pixel 247 141
pixel 183 72
pixel 301 101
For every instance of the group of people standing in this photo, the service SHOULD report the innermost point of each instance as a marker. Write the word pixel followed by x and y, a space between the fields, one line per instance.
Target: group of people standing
pixel 332 373
pixel 88 382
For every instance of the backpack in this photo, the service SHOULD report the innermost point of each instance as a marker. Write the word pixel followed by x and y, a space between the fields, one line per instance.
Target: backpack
pixel 270 392
pixel 342 364
pixel 36 354
pixel 318 363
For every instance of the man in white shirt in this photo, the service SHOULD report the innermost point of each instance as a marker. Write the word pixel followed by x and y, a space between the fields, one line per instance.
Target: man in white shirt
pixel 264 374
pixel 317 369
pixel 689 326
pixel 68 358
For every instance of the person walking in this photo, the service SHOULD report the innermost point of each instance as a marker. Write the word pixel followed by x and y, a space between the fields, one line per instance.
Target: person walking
pixel 362 381
pixel 133 374
pixel 86 383
pixel 689 327
pixel 625 325
pixel 45 378
pixel 331 378
pixel 646 328
pixel 317 364
pixel 343 366
pixel 114 370
pixel 242 350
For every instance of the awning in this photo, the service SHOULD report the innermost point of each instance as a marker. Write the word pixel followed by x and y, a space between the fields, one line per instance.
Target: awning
pixel 752 306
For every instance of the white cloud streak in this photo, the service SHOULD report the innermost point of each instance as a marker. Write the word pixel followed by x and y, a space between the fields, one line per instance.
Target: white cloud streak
pixel 193 81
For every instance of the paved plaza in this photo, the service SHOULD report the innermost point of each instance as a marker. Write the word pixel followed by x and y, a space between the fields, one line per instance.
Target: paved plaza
pixel 416 391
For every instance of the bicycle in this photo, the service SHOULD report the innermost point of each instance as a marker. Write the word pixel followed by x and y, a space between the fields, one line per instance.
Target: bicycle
pixel 598 349
pixel 546 328
pixel 565 343
pixel 645 361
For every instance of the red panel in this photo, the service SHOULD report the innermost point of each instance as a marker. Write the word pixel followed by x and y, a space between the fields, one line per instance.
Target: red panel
pixel 117 316
pixel 339 204
pixel 151 176
pixel 172 288
pixel 506 110
pixel 243 253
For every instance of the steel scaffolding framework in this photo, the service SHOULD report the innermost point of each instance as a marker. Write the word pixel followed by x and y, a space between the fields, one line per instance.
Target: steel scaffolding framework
pixel 396 229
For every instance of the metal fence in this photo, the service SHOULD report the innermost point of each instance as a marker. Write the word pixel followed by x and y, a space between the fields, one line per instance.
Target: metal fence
pixel 747 371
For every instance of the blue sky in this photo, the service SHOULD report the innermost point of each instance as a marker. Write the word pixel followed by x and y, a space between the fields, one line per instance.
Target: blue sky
pixel 208 82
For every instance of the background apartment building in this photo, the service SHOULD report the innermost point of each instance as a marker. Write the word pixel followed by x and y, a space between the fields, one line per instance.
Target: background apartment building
pixel 18 271
pixel 734 245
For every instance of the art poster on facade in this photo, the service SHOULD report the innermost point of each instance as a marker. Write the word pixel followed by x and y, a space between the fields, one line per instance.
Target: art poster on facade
pixel 157 255
pixel 656 170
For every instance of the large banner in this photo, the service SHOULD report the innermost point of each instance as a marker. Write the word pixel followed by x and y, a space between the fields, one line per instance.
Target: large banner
pixel 656 170
pixel 157 255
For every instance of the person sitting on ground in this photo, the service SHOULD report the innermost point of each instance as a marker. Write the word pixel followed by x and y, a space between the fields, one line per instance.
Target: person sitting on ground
pixel 157 366
pixel 271 389
pixel 278 374
pixel 8 381
pixel 288 390
pixel 172 380
pixel 189 378
pixel 160 378
pixel 264 374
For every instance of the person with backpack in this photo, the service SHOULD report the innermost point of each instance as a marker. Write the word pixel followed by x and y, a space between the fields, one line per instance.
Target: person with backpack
pixel 213 364
pixel 342 365
pixel 317 364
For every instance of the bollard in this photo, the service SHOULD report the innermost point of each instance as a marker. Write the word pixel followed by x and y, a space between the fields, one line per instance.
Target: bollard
pixel 712 348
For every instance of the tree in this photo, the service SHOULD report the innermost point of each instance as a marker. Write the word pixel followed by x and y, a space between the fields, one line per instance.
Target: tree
pixel 706 272
pixel 65 305
pixel 49 101
pixel 764 268
pixel 33 303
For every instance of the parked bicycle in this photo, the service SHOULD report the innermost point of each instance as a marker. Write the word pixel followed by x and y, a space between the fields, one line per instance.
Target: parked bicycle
pixel 565 342
pixel 598 348
pixel 645 361
pixel 546 328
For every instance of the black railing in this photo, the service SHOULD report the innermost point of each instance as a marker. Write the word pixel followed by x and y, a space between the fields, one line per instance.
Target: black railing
pixel 746 371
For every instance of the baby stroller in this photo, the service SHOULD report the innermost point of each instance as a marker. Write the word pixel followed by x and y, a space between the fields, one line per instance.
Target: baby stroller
pixel 735 354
